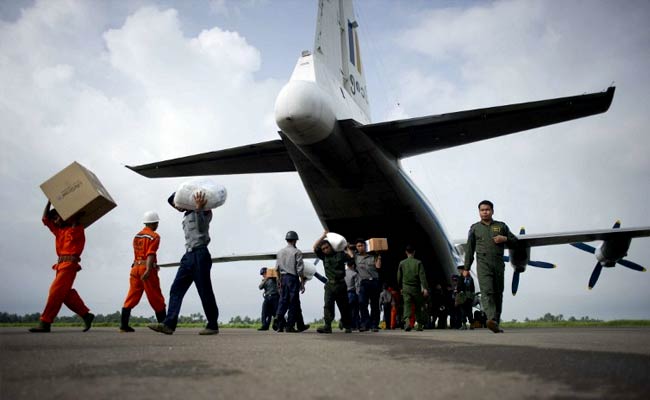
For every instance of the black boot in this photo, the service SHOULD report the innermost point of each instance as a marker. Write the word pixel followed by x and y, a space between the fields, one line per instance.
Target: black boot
pixel 88 321
pixel 160 316
pixel 124 322
pixel 42 327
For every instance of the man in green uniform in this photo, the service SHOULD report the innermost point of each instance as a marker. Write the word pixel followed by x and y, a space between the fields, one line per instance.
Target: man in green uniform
pixel 336 290
pixel 413 282
pixel 488 238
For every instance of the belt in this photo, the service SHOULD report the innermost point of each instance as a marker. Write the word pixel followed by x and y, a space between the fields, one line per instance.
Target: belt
pixel 196 248
pixel 68 258
pixel 140 262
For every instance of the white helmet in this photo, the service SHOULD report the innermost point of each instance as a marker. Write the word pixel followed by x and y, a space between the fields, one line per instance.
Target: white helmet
pixel 150 217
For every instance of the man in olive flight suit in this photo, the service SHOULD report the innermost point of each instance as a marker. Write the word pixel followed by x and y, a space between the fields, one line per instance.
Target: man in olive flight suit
pixel 488 238
pixel 336 290
pixel 413 282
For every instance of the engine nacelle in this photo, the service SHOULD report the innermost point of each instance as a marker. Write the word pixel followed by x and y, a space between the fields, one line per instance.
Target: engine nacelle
pixel 611 251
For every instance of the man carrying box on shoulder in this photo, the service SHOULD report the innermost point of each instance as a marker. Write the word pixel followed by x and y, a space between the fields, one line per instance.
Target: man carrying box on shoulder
pixel 69 243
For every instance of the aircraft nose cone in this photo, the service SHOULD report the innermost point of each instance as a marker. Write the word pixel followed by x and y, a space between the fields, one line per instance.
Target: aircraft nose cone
pixel 304 112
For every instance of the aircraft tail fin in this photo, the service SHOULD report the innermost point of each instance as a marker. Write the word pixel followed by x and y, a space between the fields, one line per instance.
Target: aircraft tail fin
pixel 337 51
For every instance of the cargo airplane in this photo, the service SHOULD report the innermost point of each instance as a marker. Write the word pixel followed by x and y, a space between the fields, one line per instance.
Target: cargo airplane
pixel 350 167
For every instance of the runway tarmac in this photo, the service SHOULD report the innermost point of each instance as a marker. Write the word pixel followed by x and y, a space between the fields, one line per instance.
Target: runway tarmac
pixel 247 364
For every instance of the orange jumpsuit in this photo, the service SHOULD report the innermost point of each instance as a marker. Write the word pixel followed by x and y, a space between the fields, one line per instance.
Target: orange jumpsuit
pixel 145 243
pixel 69 243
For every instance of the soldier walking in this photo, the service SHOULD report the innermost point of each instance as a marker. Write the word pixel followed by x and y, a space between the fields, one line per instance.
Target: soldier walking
pixel 335 288
pixel 413 282
pixel 488 238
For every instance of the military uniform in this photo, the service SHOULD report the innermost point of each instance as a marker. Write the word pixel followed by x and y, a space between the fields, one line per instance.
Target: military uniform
pixel 412 279
pixel 291 268
pixel 335 288
pixel 489 261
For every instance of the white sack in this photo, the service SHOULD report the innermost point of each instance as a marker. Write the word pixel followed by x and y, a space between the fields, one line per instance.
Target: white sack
pixel 215 194
pixel 309 270
pixel 337 241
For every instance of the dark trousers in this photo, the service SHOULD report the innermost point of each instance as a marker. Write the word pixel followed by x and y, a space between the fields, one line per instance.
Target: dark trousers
pixel 336 293
pixel 353 301
pixel 289 298
pixel 269 308
pixel 195 267
pixel 466 312
pixel 369 292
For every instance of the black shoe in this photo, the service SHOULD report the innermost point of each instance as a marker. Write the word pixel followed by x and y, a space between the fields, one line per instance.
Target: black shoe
pixel 324 329
pixel 162 328
pixel 125 329
pixel 303 328
pixel 291 329
pixel 363 329
pixel 408 328
pixel 88 321
pixel 375 329
pixel 263 328
pixel 348 330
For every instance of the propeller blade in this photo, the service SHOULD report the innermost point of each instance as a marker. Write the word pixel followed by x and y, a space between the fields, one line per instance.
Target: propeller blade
pixel 515 283
pixel 594 275
pixel 584 247
pixel 631 265
pixel 617 225
pixel 541 264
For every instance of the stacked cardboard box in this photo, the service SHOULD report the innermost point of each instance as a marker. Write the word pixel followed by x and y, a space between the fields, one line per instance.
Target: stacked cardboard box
pixel 377 244
pixel 75 191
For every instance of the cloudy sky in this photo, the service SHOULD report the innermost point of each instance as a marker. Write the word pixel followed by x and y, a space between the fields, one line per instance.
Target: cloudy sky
pixel 112 83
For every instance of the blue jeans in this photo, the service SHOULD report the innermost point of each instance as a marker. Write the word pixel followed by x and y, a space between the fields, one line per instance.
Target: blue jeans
pixel 195 267
pixel 269 307
pixel 353 300
pixel 289 299
pixel 369 295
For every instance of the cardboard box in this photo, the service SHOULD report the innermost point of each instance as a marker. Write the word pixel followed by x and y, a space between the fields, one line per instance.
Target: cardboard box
pixel 377 244
pixel 271 273
pixel 77 191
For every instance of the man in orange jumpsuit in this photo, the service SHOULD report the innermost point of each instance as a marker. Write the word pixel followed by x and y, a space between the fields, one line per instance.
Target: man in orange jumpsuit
pixel 69 243
pixel 144 272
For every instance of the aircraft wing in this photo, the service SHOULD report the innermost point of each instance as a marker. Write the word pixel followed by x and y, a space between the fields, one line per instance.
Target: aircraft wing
pixel 582 236
pixel 245 257
pixel 255 158
pixel 409 137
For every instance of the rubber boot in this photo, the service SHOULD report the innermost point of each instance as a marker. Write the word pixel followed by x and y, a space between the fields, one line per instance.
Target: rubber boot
pixel 88 321
pixel 124 322
pixel 42 327
pixel 160 316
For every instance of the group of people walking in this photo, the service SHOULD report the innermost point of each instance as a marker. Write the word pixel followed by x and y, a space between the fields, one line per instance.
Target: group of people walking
pixel 353 284
pixel 194 268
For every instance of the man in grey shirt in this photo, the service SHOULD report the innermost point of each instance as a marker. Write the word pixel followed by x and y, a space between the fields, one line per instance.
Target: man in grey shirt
pixel 195 268
pixel 352 283
pixel 369 288
pixel 290 266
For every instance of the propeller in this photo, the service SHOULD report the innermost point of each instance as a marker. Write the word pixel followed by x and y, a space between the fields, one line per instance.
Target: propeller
pixel 537 264
pixel 603 261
